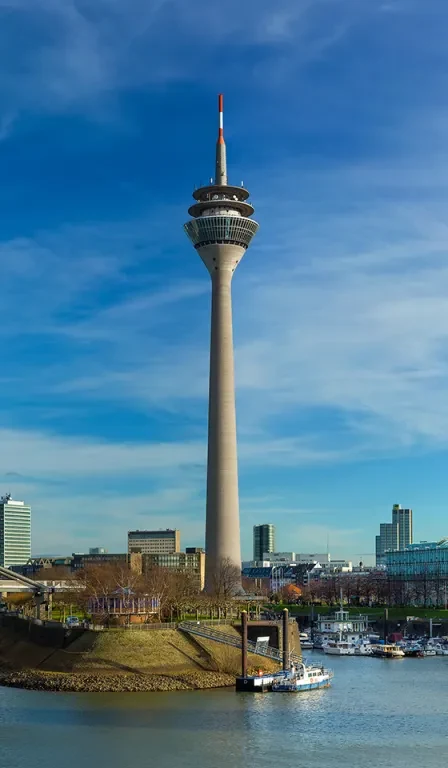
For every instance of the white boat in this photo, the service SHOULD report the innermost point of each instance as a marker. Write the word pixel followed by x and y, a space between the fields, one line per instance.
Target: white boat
pixel 363 649
pixel 302 678
pixel 441 650
pixel 429 651
pixel 339 648
pixel 306 644
pixel 305 641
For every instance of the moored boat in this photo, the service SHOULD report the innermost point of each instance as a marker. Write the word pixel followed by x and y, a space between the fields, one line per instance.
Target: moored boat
pixel 414 652
pixel 339 648
pixel 363 649
pixel 441 650
pixel 307 644
pixel 302 678
pixel 388 651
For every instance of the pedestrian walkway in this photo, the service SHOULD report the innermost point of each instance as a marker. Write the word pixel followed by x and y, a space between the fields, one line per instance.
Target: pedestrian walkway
pixel 210 633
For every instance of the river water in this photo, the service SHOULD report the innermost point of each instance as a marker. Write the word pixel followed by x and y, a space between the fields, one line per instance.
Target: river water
pixel 377 713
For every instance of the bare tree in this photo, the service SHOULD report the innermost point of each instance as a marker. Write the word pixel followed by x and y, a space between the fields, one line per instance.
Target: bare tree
pixel 158 583
pixel 226 579
pixel 97 583
pixel 183 593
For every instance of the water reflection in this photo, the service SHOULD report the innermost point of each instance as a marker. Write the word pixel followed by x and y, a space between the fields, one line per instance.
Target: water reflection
pixel 378 712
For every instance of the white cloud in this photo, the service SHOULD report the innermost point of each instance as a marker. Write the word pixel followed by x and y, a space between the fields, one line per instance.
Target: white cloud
pixel 349 317
pixel 34 453
pixel 66 520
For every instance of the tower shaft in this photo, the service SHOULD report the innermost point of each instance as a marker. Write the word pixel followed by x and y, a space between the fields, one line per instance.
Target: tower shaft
pixel 222 532
pixel 221 230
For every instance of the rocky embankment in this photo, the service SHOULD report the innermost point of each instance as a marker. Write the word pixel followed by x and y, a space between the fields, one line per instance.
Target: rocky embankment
pixel 94 683
pixel 48 658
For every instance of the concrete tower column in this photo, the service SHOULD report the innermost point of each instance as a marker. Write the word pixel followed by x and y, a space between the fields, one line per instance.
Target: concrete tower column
pixel 222 532
pixel 221 230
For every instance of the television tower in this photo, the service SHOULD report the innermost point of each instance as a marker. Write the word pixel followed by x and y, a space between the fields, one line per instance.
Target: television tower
pixel 221 231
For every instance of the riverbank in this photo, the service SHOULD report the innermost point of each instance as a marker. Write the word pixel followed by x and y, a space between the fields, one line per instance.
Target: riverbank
pixel 35 680
pixel 49 658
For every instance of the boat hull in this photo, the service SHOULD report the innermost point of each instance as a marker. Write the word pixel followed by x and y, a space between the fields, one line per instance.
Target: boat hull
pixel 339 651
pixel 299 687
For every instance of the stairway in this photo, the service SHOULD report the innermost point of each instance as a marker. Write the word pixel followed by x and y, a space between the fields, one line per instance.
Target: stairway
pixel 210 633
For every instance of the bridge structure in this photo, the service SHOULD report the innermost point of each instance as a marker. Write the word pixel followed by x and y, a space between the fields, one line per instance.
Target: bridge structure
pixel 260 649
pixel 13 583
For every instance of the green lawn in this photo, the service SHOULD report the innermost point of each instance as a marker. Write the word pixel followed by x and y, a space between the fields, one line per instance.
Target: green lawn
pixel 57 614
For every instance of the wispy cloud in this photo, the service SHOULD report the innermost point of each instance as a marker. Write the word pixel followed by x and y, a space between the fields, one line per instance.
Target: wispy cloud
pixel 341 328
pixel 77 55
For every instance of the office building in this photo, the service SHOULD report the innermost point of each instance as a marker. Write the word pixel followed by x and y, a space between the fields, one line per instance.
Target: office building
pixel 192 561
pixel 264 541
pixel 15 532
pixel 428 559
pixel 403 518
pixel 394 535
pixel 132 560
pixel 221 230
pixel 316 557
pixel 163 542
pixel 388 539
pixel 279 557
pixel 98 551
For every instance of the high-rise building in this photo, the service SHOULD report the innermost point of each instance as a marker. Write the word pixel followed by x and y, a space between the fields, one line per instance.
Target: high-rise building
pixel 403 518
pixel 221 230
pixel 15 532
pixel 264 540
pixel 388 539
pixel 163 542
pixel 395 535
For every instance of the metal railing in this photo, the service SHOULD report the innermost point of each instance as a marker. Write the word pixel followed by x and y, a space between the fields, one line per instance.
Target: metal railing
pixel 207 632
pixel 158 625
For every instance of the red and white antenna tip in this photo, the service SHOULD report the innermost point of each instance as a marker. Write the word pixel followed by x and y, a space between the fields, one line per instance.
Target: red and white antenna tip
pixel 221 118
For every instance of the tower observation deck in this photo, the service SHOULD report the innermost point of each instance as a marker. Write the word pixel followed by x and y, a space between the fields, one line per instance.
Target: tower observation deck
pixel 221 230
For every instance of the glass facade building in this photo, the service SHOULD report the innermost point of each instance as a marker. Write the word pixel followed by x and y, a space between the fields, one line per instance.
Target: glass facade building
pixel 394 535
pixel 403 518
pixel 428 558
pixel 15 532
pixel 264 540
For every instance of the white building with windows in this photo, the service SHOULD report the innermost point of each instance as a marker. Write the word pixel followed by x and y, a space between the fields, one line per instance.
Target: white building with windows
pixel 341 625
pixel 279 557
pixel 15 532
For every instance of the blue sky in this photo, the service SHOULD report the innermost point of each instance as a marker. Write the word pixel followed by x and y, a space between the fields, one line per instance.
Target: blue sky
pixel 336 120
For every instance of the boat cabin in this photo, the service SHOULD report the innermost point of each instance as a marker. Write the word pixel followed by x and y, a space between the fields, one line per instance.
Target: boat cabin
pixel 342 626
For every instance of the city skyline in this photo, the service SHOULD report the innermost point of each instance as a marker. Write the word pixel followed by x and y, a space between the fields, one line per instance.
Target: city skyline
pixel 340 309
